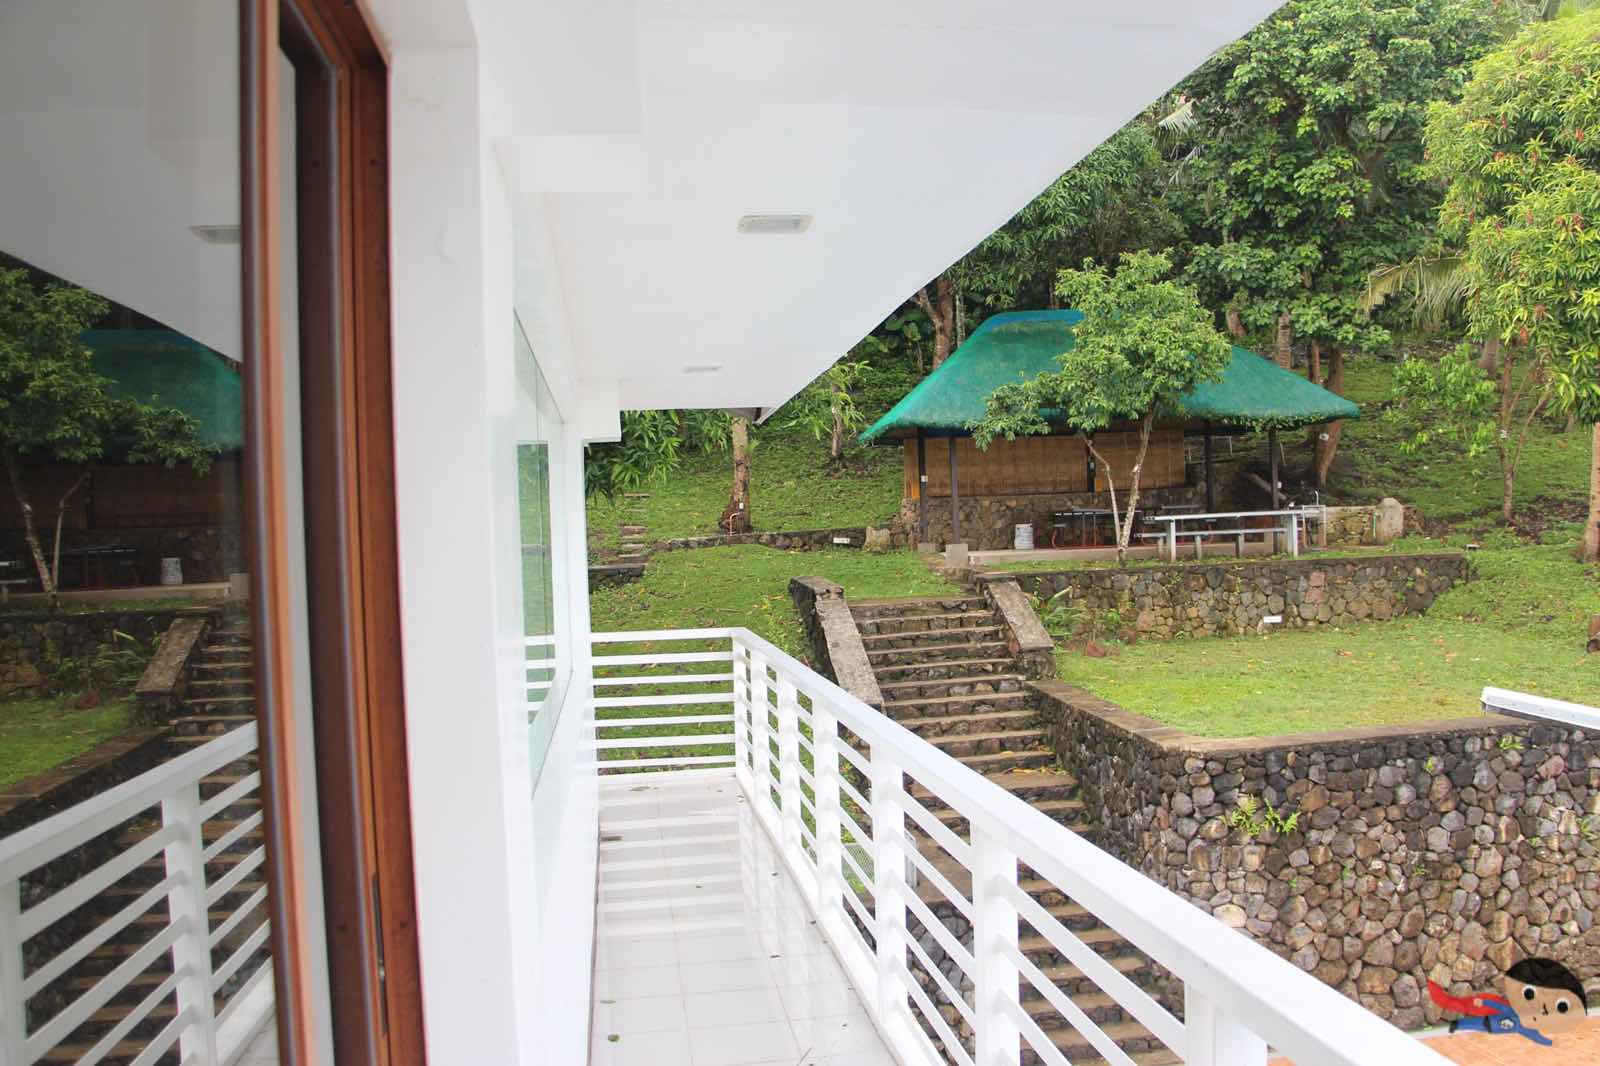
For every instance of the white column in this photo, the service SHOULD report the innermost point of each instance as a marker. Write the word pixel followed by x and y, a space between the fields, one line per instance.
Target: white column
pixel 186 906
pixel 741 717
pixel 994 931
pixel 761 742
pixel 1218 1039
pixel 13 1008
pixel 889 884
pixel 789 765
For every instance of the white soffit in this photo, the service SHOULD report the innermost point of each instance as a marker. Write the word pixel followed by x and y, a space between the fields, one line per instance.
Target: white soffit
pixel 638 132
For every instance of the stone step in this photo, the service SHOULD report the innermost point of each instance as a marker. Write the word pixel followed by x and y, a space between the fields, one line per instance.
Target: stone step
pixel 1071 980
pixel 239 705
pixel 211 829
pixel 1042 953
pixel 210 685
pixel 944 705
pixel 936 726
pixel 633 548
pixel 211 726
pixel 989 763
pixel 631 530
pixel 922 688
pixel 932 654
pixel 222 665
pixel 1000 741
pixel 1099 1006
pixel 937 668
pixel 1134 1040
pixel 863 610
pixel 243 888
pixel 1069 812
pixel 917 623
pixel 1031 786
pixel 926 639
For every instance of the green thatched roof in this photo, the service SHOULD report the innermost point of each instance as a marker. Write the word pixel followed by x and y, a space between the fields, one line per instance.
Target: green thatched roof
pixel 159 366
pixel 1022 344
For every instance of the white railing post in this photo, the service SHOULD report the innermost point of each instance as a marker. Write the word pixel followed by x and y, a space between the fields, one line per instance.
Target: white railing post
pixel 889 883
pixel 999 1041
pixel 741 712
pixel 830 838
pixel 186 905
pixel 1294 534
pixel 761 737
pixel 13 1007
pixel 1215 1038
pixel 789 764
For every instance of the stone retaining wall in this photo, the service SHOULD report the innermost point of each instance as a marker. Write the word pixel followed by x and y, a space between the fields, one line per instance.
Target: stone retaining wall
pixel 1349 527
pixel 1195 599
pixel 1448 850
pixel 793 539
pixel 988 523
pixel 34 643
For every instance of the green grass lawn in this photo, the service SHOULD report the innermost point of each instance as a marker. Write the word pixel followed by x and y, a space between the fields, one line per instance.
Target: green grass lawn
pixel 1519 624
pixel 748 585
pixel 36 734
pixel 792 487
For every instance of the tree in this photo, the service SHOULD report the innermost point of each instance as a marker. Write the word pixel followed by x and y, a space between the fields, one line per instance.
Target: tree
pixel 827 407
pixel 54 405
pixel 652 447
pixel 1520 153
pixel 736 516
pixel 1308 173
pixel 1144 342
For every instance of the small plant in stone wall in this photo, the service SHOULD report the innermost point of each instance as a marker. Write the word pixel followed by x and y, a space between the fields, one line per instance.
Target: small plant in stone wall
pixel 1253 818
pixel 1509 742
pixel 116 665
pixel 1065 619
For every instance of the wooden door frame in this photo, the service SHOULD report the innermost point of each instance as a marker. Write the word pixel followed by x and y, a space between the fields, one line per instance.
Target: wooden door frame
pixel 368 898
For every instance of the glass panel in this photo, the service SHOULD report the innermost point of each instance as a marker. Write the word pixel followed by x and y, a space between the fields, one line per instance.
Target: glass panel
pixel 122 435
pixel 549 652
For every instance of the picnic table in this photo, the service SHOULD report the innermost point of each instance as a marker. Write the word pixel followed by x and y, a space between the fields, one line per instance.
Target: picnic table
pixel 1288 524
pixel 12 572
pixel 96 558
pixel 1087 520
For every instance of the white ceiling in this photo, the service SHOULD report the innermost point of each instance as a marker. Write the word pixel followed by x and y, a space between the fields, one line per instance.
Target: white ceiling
pixel 635 133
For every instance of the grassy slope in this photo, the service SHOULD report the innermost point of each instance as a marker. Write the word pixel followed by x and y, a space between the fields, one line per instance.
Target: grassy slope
pixel 791 488
pixel 1519 624
pixel 36 734
pixel 748 585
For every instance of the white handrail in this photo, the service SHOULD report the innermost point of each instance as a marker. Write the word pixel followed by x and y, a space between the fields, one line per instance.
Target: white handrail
pixel 179 890
pixel 1239 997
pixel 1526 705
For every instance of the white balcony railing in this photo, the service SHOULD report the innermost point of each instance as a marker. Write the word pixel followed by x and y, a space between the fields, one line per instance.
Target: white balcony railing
pixel 177 858
pixel 927 920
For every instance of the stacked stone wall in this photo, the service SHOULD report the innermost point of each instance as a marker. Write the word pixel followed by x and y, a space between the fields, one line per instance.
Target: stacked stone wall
pixel 33 644
pixel 1448 850
pixel 1229 598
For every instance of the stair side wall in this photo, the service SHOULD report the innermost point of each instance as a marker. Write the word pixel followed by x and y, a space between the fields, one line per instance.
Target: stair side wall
pixel 836 648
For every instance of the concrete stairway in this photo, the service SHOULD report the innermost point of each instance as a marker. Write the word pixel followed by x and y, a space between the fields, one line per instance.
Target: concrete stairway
pixel 946 673
pixel 220 698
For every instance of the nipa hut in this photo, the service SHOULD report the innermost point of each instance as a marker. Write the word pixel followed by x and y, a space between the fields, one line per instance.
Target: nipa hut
pixel 957 493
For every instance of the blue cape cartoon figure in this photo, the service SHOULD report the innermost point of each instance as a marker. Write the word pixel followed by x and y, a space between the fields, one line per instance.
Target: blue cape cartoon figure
pixel 1489 1012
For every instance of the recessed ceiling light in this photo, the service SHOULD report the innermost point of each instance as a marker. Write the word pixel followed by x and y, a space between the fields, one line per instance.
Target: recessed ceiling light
pixel 216 234
pixel 774 223
pixel 701 369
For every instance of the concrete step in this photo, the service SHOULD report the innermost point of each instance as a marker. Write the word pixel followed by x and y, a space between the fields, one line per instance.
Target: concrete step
pixel 1130 1036
pixel 1031 786
pixel 889 674
pixel 922 688
pixel 212 685
pixel 1072 980
pixel 221 665
pixel 1069 812
pixel 929 654
pixel 918 623
pixel 935 726
pixel 989 763
pixel 863 610
pixel 946 705
pixel 926 639
pixel 238 705
pixel 1103 940
pixel 209 726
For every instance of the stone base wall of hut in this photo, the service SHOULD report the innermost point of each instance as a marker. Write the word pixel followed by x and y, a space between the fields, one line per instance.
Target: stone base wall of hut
pixel 988 523
pixel 1447 851
pixel 208 553
pixel 1238 597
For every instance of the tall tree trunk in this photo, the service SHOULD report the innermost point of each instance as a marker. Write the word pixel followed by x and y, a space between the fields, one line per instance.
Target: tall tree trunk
pixel 736 517
pixel 836 441
pixel 61 514
pixel 1111 490
pixel 1502 441
pixel 29 532
pixel 940 307
pixel 1314 365
pixel 1236 324
pixel 1489 361
pixel 1328 437
pixel 1125 534
pixel 1284 352
pixel 1591 532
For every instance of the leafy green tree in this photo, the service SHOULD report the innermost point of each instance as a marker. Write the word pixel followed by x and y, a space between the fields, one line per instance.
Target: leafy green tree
pixel 1144 342
pixel 652 447
pixel 1308 173
pixel 827 407
pixel 53 404
pixel 1521 153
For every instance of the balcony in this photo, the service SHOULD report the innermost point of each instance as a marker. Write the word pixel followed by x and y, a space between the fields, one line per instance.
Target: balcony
pixel 750 805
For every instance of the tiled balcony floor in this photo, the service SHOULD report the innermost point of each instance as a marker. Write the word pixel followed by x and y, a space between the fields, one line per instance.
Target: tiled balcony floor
pixel 705 953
